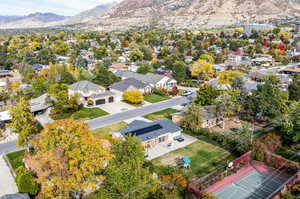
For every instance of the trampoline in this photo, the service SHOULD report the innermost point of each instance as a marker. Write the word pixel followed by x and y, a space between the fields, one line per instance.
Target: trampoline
pixel 253 185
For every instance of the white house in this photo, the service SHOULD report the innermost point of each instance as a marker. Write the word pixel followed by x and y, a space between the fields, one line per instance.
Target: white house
pixel 90 92
pixel 154 80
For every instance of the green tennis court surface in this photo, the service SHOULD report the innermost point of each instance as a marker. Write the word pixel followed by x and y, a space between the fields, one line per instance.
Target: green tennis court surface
pixel 254 185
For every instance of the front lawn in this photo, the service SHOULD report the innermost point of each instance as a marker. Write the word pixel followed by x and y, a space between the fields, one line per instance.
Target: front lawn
pixel 82 113
pixel 205 158
pixel 160 115
pixel 153 98
pixel 16 159
pixel 110 128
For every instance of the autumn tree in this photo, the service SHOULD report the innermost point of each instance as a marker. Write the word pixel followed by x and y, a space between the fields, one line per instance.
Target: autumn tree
pixel 23 122
pixel 193 118
pixel 179 70
pixel 126 176
pixel 228 77
pixel 133 96
pixel 202 69
pixel 70 159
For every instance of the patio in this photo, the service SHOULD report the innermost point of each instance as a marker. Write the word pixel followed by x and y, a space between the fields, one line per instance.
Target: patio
pixel 162 148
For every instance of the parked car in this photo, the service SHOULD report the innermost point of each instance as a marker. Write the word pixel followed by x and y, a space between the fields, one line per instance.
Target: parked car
pixel 187 93
pixel 179 139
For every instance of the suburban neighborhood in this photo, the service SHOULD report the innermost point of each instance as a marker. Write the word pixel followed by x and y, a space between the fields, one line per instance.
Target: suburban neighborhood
pixel 152 113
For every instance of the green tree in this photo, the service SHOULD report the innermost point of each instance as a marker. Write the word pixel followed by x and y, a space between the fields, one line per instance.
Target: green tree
pixel 147 52
pixel 105 77
pixel 290 123
pixel 23 122
pixel 126 175
pixel 26 182
pixel 207 95
pixel 294 89
pixel 193 118
pixel 179 71
pixel 136 55
pixel 40 86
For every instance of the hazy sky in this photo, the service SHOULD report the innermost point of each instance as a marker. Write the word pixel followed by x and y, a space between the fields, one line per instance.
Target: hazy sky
pixel 64 7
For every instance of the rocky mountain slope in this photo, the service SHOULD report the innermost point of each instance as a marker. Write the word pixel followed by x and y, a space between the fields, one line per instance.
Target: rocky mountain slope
pixel 30 21
pixel 92 14
pixel 194 13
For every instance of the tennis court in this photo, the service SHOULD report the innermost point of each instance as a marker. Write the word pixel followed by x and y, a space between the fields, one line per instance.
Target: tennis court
pixel 254 184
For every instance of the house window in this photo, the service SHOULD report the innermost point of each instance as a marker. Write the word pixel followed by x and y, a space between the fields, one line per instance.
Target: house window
pixel 161 139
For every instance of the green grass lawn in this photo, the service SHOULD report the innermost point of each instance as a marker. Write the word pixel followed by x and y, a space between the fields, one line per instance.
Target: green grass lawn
pixel 15 159
pixel 205 158
pixel 160 115
pixel 82 113
pixel 153 98
pixel 110 128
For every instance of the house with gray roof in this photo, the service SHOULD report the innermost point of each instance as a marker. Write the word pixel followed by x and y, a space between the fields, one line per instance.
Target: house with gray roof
pixel 15 196
pixel 151 133
pixel 91 94
pixel 154 80
pixel 129 84
pixel 40 104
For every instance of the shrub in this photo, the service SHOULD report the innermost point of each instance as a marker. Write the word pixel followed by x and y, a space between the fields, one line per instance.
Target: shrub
pixel 160 91
pixel 133 96
pixel 90 103
pixel 26 182
pixel 210 197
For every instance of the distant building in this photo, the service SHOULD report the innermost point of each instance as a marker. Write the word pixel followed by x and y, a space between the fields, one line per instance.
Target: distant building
pixel 249 28
pixel 297 28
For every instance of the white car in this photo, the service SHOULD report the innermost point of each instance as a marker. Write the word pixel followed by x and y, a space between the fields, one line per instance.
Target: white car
pixel 187 93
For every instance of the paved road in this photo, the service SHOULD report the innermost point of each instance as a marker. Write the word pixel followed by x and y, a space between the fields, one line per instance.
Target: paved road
pixel 118 117
pixel 9 147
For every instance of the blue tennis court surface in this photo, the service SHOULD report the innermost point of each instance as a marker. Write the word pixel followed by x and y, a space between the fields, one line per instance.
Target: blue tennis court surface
pixel 254 185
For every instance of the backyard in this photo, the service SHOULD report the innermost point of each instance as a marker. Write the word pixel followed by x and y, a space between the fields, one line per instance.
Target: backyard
pixel 110 128
pixel 15 159
pixel 154 98
pixel 82 113
pixel 205 158
pixel 160 115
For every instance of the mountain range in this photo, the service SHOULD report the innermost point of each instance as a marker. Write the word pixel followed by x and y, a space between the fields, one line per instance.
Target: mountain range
pixel 172 13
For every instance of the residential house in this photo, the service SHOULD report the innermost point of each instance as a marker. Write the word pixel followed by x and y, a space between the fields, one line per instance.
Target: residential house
pixel 209 117
pixel 90 92
pixel 151 133
pixel 5 73
pixel 40 104
pixel 5 116
pixel 154 80
pixel 117 67
pixel 129 84
pixel 15 196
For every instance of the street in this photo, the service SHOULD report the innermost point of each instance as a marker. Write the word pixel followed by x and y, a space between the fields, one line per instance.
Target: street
pixel 118 117
pixel 9 147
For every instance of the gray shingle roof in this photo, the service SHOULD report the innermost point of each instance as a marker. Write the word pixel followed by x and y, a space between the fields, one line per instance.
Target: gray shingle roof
pixel 123 85
pixel 105 94
pixel 86 87
pixel 15 196
pixel 150 78
pixel 39 104
pixel 156 129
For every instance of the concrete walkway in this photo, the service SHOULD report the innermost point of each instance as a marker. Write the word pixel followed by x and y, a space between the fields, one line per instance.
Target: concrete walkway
pixel 7 182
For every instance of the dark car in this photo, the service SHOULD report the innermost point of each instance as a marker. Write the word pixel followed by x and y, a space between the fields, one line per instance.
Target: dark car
pixel 179 139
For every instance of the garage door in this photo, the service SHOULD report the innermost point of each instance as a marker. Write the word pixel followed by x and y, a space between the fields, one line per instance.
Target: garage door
pixel 101 101
pixel 111 99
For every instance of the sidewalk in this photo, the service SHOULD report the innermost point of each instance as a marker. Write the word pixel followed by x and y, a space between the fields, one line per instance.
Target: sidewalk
pixel 7 182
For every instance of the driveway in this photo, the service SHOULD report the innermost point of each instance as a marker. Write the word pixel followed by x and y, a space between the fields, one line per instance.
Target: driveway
pixel 118 117
pixel 116 107
pixel 7 185
pixel 162 148
pixel 44 118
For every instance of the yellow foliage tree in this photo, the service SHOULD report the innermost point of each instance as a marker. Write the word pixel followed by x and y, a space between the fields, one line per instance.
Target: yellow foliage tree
pixel 204 68
pixel 228 77
pixel 69 159
pixel 133 96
